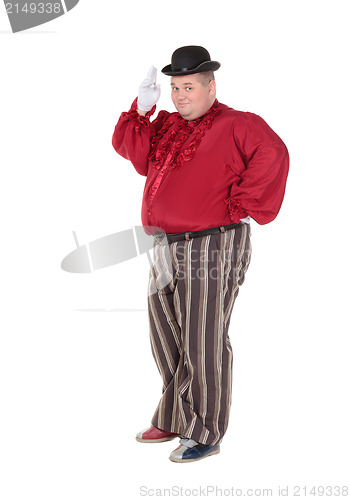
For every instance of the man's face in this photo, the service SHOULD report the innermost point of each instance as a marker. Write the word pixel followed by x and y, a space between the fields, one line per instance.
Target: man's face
pixel 190 97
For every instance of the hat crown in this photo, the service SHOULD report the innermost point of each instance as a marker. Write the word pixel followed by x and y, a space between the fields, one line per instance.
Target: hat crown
pixel 189 57
pixel 189 60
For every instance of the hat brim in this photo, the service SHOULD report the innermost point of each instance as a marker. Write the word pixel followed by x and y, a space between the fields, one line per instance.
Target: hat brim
pixel 205 66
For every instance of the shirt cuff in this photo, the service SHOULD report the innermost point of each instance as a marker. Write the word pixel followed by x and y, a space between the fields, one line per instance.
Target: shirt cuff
pixel 148 113
pixel 235 209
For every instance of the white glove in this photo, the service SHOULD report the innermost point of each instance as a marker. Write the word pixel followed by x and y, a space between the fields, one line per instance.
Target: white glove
pixel 149 92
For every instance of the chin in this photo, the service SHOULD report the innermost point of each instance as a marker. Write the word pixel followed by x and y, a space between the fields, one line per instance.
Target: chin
pixel 185 113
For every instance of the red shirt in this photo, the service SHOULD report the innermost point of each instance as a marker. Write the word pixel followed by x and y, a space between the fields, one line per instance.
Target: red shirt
pixel 207 172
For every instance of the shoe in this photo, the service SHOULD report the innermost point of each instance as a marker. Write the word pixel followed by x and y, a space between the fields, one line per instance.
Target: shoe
pixel 155 435
pixel 191 451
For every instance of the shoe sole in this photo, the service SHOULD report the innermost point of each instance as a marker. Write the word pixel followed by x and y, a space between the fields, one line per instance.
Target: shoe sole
pixel 162 440
pixel 181 461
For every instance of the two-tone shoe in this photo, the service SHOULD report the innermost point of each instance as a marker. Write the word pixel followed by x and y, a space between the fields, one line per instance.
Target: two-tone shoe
pixel 155 435
pixel 191 451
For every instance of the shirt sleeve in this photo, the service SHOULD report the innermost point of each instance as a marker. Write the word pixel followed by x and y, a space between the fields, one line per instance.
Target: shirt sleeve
pixel 133 133
pixel 261 189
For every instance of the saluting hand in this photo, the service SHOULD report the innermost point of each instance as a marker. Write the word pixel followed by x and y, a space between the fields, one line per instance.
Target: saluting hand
pixel 149 91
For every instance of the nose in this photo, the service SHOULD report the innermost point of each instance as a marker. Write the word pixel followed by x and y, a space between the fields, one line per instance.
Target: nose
pixel 181 95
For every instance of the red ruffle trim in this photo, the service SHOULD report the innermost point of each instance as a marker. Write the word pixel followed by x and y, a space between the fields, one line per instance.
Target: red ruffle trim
pixel 173 135
pixel 139 120
pixel 235 209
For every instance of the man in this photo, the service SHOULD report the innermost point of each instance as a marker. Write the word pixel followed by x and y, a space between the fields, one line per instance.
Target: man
pixel 209 169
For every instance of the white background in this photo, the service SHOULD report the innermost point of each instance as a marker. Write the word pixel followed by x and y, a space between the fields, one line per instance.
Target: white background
pixel 77 376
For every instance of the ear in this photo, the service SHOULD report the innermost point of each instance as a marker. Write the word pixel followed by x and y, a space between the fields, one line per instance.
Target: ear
pixel 212 87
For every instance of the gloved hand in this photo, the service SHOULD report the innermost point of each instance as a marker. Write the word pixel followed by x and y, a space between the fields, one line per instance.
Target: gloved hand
pixel 149 92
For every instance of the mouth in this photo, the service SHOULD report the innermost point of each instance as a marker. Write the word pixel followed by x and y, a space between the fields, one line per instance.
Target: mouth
pixel 183 104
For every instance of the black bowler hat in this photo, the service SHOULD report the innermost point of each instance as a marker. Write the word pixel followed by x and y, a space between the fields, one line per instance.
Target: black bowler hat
pixel 189 60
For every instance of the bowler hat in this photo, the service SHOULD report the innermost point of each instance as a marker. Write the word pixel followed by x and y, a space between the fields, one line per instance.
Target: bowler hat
pixel 189 60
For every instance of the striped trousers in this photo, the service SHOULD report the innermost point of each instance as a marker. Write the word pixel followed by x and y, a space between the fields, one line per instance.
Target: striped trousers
pixel 193 285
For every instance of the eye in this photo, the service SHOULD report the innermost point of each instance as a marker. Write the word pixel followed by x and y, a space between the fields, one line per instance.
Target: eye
pixel 188 88
pixel 175 88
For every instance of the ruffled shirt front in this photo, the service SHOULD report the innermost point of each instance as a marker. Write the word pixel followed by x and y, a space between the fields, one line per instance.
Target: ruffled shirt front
pixel 211 171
